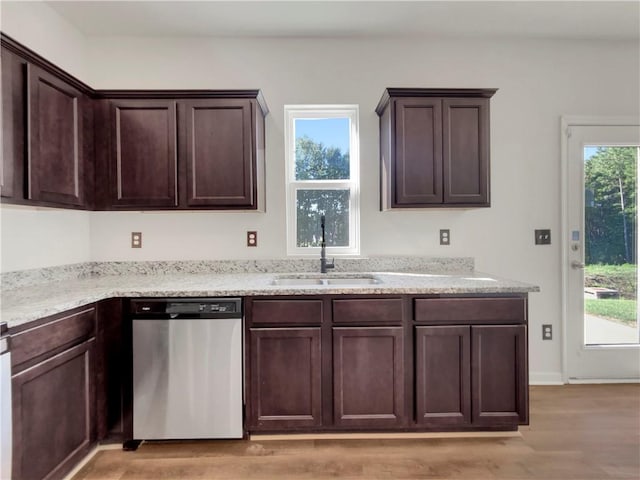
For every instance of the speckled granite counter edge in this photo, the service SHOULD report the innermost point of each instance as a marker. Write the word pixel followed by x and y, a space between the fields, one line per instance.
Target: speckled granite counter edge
pixel 25 278
pixel 27 304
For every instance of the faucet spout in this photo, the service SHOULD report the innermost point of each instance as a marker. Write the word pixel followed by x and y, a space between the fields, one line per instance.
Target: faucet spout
pixel 324 264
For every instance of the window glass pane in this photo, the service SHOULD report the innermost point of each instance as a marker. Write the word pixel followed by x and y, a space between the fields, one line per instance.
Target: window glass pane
pixel 322 148
pixel 334 204
pixel 611 245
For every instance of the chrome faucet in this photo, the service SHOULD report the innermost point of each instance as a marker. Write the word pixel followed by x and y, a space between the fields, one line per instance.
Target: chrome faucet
pixel 324 265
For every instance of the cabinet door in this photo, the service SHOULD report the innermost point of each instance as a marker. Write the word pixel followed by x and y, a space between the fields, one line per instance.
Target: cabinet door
pixel 143 153
pixel 418 151
pixel 443 375
pixel 499 394
pixel 13 125
pixel 368 377
pixel 220 152
pixel 466 150
pixel 55 133
pixel 53 417
pixel 285 378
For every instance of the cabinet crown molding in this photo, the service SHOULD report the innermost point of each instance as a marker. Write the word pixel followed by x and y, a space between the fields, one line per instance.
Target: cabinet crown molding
pixel 432 92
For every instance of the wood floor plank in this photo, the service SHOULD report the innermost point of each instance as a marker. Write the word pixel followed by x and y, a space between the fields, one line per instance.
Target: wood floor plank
pixel 577 432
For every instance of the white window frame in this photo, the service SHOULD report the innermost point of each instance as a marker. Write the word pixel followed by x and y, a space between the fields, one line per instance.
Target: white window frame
pixel 291 113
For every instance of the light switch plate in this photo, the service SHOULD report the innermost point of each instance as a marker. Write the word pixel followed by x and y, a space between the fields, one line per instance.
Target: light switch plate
pixel 543 237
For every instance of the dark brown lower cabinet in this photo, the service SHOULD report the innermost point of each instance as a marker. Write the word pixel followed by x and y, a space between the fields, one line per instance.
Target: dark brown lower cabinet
pixel 285 382
pixel 368 377
pixel 499 394
pixel 386 363
pixel 53 411
pixel 443 375
pixel 471 375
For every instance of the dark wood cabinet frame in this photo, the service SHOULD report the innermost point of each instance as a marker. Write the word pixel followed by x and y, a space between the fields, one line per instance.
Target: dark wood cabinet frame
pixel 89 143
pixel 458 326
pixel 434 147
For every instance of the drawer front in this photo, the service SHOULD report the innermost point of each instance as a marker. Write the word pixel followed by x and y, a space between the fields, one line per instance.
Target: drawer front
pixel 367 310
pixel 65 330
pixel 470 310
pixel 303 312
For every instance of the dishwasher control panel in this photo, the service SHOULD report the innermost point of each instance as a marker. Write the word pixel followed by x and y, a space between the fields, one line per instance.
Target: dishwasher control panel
pixel 189 307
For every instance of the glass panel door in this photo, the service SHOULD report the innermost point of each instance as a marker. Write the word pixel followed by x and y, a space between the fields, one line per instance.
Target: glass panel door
pixel 611 245
pixel 600 272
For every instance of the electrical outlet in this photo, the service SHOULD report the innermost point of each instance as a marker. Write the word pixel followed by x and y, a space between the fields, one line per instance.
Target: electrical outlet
pixel 252 239
pixel 543 237
pixel 547 332
pixel 445 237
pixel 136 239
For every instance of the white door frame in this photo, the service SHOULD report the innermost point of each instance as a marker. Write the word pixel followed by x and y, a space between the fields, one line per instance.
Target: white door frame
pixel 566 122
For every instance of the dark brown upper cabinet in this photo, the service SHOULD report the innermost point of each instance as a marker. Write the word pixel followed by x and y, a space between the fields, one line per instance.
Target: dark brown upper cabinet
pixel 13 123
pixel 180 149
pixel 55 158
pixel 222 139
pixel 143 153
pixel 434 147
pixel 68 145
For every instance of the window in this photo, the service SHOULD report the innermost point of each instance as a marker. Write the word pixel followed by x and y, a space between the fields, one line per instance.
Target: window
pixel 321 148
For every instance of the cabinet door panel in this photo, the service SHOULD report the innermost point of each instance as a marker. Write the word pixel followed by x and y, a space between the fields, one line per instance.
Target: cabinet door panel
pixel 418 149
pixel 53 414
pixel 466 150
pixel 285 378
pixel 368 376
pixel 144 155
pixel 13 125
pixel 443 375
pixel 219 146
pixel 499 372
pixel 55 122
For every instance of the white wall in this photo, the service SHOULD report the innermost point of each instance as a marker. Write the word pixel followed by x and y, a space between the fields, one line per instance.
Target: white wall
pixel 35 238
pixel 538 81
pixel 43 237
pixel 43 30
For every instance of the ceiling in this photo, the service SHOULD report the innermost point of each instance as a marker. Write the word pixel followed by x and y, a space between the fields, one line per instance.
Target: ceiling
pixel 603 20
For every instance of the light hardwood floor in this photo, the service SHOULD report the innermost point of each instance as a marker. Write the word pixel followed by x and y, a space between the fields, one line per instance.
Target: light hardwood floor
pixel 576 432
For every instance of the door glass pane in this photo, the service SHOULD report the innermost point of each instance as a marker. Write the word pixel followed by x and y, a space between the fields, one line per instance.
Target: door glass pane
pixel 310 205
pixel 322 148
pixel 611 245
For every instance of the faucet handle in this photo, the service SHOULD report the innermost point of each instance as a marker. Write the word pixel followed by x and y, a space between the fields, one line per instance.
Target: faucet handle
pixel 332 264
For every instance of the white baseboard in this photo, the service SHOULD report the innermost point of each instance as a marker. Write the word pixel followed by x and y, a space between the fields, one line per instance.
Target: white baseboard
pixel 603 380
pixel 545 378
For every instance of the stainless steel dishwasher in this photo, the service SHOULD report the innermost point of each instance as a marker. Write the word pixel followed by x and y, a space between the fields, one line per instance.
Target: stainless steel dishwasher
pixel 187 368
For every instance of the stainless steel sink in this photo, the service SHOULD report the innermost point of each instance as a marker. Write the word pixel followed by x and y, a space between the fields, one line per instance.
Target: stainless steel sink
pixel 352 281
pixel 325 281
pixel 293 282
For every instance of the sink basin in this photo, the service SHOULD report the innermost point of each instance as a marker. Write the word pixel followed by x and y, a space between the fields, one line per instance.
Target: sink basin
pixel 352 281
pixel 330 281
pixel 292 282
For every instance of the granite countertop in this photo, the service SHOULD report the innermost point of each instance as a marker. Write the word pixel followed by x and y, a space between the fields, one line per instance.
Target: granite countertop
pixel 27 303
